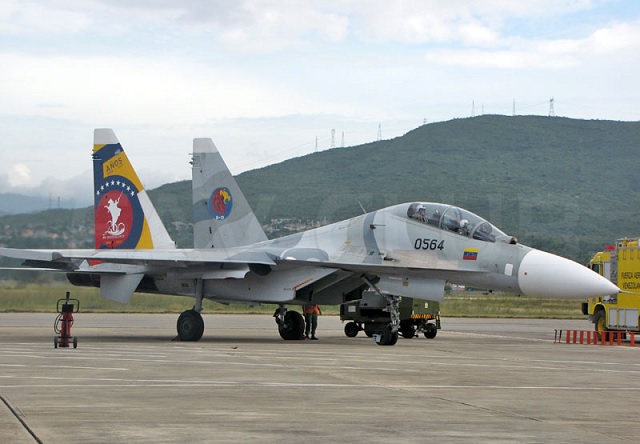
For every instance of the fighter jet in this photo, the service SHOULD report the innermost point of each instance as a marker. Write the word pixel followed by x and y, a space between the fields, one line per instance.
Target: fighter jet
pixel 406 250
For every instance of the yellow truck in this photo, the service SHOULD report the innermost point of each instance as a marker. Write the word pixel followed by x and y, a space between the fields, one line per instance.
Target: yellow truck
pixel 620 263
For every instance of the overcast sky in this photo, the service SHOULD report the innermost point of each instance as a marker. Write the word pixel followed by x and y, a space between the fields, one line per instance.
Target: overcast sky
pixel 265 79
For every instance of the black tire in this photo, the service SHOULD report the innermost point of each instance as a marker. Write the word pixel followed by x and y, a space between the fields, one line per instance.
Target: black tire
pixel 75 342
pixel 430 331
pixel 369 330
pixel 292 328
pixel 394 339
pixel 385 336
pixel 600 323
pixel 407 329
pixel 190 326
pixel 351 329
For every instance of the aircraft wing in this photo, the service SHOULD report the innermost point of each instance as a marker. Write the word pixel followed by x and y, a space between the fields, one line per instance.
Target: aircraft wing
pixel 137 257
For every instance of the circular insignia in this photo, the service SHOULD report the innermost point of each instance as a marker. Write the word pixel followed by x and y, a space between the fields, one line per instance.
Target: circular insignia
pixel 221 203
pixel 119 218
pixel 114 217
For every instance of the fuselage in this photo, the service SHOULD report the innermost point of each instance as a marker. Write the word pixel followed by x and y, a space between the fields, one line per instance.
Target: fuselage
pixel 421 244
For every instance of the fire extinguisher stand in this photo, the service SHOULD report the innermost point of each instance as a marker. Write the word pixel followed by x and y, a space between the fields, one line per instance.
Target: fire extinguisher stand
pixel 62 326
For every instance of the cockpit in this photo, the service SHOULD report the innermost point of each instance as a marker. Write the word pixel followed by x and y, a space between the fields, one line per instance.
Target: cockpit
pixel 454 219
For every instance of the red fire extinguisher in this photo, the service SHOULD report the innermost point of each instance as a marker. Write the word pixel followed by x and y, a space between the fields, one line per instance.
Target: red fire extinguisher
pixel 62 326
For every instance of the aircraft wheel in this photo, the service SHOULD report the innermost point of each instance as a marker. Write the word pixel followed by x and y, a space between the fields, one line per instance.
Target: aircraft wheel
pixel 430 331
pixel 190 326
pixel 394 339
pixel 351 329
pixel 384 336
pixel 293 326
pixel 55 342
pixel 75 342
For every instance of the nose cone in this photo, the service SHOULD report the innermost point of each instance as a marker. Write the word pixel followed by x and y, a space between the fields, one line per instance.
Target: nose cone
pixel 547 275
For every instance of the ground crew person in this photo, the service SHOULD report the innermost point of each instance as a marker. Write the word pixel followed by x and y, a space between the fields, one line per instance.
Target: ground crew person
pixel 311 313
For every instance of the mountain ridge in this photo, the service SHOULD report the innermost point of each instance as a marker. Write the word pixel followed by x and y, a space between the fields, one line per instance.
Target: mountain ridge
pixel 563 185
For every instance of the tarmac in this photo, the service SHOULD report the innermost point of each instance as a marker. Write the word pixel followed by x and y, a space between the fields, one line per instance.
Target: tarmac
pixel 479 380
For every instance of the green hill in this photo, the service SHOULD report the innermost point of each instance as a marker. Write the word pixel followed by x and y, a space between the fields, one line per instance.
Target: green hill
pixel 564 185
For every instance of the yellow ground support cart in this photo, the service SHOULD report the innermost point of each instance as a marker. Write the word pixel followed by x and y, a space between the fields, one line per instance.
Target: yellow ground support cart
pixel 620 263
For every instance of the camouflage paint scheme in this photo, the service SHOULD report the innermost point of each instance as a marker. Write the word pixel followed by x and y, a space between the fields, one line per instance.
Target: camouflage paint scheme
pixel 406 250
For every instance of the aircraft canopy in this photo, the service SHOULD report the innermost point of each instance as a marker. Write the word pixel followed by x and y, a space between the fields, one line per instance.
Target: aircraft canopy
pixel 455 219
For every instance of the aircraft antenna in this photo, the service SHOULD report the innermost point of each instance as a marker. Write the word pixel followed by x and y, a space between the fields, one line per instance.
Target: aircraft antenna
pixel 552 112
pixel 362 207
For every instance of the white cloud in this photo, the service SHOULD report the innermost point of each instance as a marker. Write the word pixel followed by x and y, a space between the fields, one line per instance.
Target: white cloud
pixel 137 91
pixel 265 77
pixel 545 54
pixel 34 17
pixel 620 37
pixel 19 175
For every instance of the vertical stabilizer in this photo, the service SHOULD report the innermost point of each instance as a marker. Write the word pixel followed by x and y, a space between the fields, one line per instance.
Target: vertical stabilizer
pixel 222 217
pixel 124 215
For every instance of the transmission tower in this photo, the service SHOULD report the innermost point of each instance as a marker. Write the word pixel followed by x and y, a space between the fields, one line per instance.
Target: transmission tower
pixel 552 112
pixel 379 132
pixel 333 138
pixel 342 140
pixel 513 112
pixel 473 108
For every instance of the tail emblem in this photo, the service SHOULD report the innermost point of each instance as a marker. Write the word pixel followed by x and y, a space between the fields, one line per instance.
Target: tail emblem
pixel 115 214
pixel 221 203
pixel 115 228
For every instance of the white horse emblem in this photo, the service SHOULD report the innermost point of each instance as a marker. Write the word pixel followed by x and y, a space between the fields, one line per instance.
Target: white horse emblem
pixel 115 228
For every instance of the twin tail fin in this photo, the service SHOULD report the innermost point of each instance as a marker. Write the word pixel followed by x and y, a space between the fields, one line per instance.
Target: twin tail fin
pixel 125 218
pixel 222 217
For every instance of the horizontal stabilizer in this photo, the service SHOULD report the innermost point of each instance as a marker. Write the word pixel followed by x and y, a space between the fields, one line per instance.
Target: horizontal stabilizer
pixel 31 255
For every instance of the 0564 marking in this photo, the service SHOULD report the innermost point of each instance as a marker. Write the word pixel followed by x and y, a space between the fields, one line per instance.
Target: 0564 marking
pixel 428 244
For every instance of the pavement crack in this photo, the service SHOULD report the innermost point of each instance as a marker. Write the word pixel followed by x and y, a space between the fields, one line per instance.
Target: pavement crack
pixel 488 409
pixel 15 413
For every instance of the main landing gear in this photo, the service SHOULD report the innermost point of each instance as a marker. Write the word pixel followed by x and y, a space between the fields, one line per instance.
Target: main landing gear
pixel 190 323
pixel 290 324
pixel 190 326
